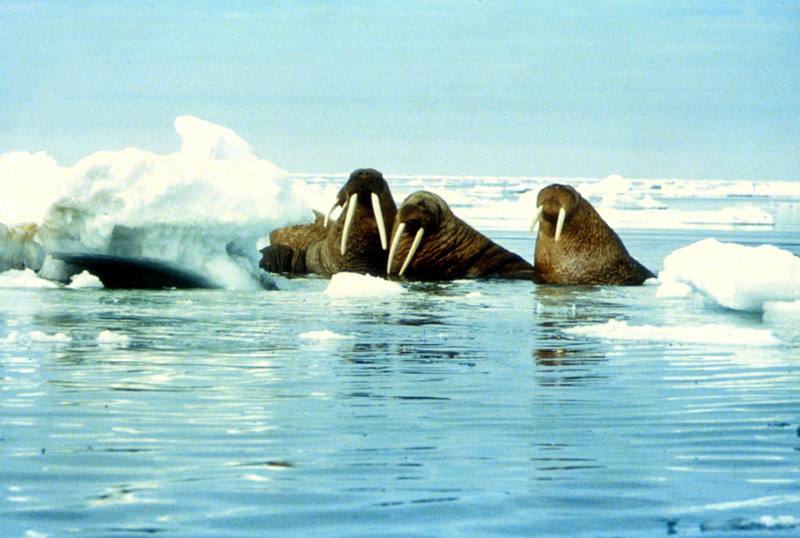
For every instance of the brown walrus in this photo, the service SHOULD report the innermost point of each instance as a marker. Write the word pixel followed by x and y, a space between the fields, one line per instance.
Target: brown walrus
pixel 429 242
pixel 576 246
pixel 356 241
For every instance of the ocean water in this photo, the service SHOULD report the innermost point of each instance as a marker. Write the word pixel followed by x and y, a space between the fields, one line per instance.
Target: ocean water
pixel 466 408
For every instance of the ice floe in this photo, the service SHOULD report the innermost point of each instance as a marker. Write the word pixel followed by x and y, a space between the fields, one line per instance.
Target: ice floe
pixel 734 276
pixel 108 337
pixel 710 334
pixel 357 285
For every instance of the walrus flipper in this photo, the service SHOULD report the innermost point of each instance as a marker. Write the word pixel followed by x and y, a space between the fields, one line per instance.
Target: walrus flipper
pixel 120 272
pixel 283 259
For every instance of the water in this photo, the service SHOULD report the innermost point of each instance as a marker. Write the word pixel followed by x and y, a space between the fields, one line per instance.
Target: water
pixel 453 409
pixel 467 408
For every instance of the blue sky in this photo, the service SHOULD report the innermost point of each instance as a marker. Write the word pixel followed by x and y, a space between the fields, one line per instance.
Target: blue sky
pixel 642 89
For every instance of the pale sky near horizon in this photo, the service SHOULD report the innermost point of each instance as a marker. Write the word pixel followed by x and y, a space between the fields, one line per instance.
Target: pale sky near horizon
pixel 643 89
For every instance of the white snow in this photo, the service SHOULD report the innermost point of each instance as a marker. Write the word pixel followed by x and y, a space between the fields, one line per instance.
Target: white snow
pixel 709 334
pixel 204 207
pixel 734 276
pixel 357 285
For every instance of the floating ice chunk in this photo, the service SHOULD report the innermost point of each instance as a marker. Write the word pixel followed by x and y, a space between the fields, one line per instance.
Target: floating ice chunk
pixel 627 201
pixel 723 218
pixel 85 280
pixel 29 183
pixel 673 289
pixel 734 276
pixel 203 140
pixel 39 336
pixel 203 208
pixel 323 335
pixel 357 285
pixel 24 279
pixel 113 338
pixel 711 334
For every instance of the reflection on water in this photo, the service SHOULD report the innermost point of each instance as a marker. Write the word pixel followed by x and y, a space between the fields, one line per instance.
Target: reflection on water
pixel 453 409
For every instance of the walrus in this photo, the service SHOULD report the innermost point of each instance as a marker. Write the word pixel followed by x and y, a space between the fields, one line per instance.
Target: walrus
pixel 576 246
pixel 356 241
pixel 435 244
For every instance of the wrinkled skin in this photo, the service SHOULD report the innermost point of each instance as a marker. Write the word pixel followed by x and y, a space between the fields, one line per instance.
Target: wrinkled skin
pixel 450 248
pixel 314 248
pixel 588 251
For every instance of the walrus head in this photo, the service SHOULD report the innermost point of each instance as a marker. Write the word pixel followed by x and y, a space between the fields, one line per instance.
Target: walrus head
pixel 419 214
pixel 366 187
pixel 555 204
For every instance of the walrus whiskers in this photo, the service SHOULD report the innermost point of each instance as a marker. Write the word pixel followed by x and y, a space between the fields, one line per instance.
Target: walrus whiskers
pixel 412 250
pixel 535 222
pixel 348 221
pixel 562 214
pixel 393 249
pixel 376 208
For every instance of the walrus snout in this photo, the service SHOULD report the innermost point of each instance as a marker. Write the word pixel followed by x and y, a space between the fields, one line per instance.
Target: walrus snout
pixel 364 184
pixel 419 214
pixel 554 204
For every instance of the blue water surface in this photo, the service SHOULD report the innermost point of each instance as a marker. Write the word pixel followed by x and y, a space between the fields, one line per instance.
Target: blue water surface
pixel 452 409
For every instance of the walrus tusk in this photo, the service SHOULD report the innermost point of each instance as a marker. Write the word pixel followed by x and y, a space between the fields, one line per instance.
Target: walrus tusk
pixel 395 240
pixel 328 216
pixel 412 250
pixel 562 214
pixel 376 208
pixel 535 221
pixel 348 221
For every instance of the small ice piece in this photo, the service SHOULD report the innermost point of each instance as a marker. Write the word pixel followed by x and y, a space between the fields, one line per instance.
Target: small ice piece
pixel 734 276
pixel 324 335
pixel 111 337
pixel 24 279
pixel 710 334
pixel 39 336
pixel 85 279
pixel 357 285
